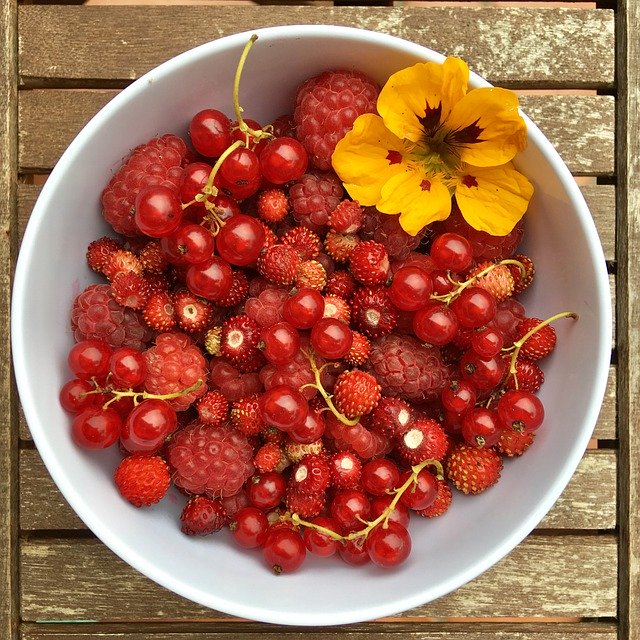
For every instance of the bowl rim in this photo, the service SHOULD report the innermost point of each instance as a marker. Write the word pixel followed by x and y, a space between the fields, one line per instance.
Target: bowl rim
pixel 162 577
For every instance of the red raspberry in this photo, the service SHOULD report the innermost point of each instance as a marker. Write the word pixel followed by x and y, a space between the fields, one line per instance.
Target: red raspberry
pixel 369 263
pixel 340 246
pixel 152 258
pixel 406 368
pixel 347 217
pixel 159 313
pixel 414 259
pixel 335 307
pixel 210 460
pixel 193 313
pixel 266 308
pixel 99 251
pixel 142 480
pixel 372 311
pixel 386 230
pixel 441 504
pixel 359 350
pixel 95 315
pixel 314 197
pixel 237 293
pixel 472 470
pixel 423 439
pixel 158 162
pixel 130 290
pixel 341 283
pixel 239 342
pixel 202 516
pixel 272 205
pixel 514 443
pixel 246 417
pixel 391 416
pixel 311 275
pixel 345 468
pixel 269 457
pixel 213 408
pixel 311 475
pixel 365 443
pixel 174 364
pixel 121 261
pixel 355 393
pixel 326 107
pixel 231 381
pixel 306 505
pixel 522 281
pixel 307 242
pixel 279 263
pixel 538 345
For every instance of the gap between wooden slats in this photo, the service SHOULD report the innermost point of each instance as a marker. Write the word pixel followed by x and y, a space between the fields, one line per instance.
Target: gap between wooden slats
pixel 588 502
pixel 373 631
pixel 513 47
pixel 543 576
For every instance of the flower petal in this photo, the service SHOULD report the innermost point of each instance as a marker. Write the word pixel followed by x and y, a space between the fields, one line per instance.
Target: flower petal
pixel 367 157
pixel 493 199
pixel 416 100
pixel 486 127
pixel 418 198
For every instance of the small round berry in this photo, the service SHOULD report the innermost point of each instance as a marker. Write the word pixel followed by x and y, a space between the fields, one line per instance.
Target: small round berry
pixel 388 544
pixel 283 407
pixel 284 550
pixel 410 288
pixel 89 359
pixel 240 240
pixel 331 338
pixel 96 428
pixel 158 211
pixel 127 367
pixel 451 251
pixel 283 160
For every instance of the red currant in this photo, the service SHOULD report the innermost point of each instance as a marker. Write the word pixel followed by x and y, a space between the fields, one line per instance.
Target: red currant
pixel 96 428
pixel 481 427
pixel 281 343
pixel 283 160
pixel 380 476
pixel 319 543
pixel 284 550
pixel 310 430
pixel 474 307
pixel 488 342
pixel 194 243
pixel 211 279
pixel 158 211
pixel 521 410
pixel 451 251
pixel 349 508
pixel 240 240
pixel 331 338
pixel 210 132
pixel 89 359
pixel 422 492
pixel 77 395
pixel 388 544
pixel 304 308
pixel 410 288
pixel 266 490
pixel 147 426
pixel 283 407
pixel 249 527
pixel 435 324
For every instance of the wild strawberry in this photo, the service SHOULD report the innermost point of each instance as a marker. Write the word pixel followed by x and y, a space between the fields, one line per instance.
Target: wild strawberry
pixel 269 457
pixel 311 275
pixel 541 343
pixel 238 292
pixel 130 290
pixel 310 475
pixel 212 340
pixel 143 480
pixel 296 451
pixel 272 205
pixel 193 313
pixel 335 307
pixel 121 261
pixel 514 443
pixel 528 376
pixel 369 263
pixel 345 468
pixel 246 417
pixel 355 393
pixel 306 505
pixel 423 439
pixel 307 242
pixel 270 238
pixel 472 470
pixel 239 341
pixel 156 282
pixel 522 281
pixel 392 416
pixel 279 263
pixel 99 252
pixel 372 311
pixel 202 516
pixel 341 283
pixel 498 282
pixel 340 246
pixel 359 350
pixel 347 217
pixel 152 258
pixel 213 408
pixel 441 504
pixel 159 313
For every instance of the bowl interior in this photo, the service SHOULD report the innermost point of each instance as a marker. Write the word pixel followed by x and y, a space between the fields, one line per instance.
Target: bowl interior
pixel 447 551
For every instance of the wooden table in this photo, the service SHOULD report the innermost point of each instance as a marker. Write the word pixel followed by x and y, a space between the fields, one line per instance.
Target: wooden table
pixel 577 575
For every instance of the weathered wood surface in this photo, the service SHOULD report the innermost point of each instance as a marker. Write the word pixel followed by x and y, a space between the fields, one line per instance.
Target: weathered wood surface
pixel 544 576
pixel 580 127
pixel 511 46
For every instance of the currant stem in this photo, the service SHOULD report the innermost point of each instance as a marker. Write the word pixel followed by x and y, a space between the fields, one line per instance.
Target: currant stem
pixel 383 517
pixel 145 395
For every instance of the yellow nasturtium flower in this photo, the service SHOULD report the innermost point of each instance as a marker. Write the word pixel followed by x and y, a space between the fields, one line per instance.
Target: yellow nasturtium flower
pixel 434 139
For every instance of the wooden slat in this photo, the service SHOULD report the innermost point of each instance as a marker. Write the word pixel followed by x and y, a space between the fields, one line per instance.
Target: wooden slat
pixel 628 158
pixel 509 46
pixel 8 244
pixel 543 576
pixel 372 631
pixel 588 502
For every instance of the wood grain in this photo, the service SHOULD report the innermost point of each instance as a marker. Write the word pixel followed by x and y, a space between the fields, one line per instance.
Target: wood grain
pixel 515 47
pixel 543 576
pixel 580 127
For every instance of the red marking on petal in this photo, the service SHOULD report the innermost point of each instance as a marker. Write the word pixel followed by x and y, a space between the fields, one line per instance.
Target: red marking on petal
pixel 431 119
pixel 425 185
pixel 394 157
pixel 469 181
pixel 468 135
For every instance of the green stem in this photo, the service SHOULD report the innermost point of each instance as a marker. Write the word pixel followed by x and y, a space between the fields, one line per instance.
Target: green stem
pixel 145 395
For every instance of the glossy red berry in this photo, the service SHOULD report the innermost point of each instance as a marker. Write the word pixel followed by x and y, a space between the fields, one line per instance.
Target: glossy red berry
pixel 96 428
pixel 158 211
pixel 240 240
pixel 249 527
pixel 436 324
pixel 521 411
pixel 266 490
pixel 89 359
pixel 194 243
pixel 388 544
pixel 481 427
pixel 283 407
pixel 281 343
pixel 320 543
pixel 380 476
pixel 283 160
pixel 127 368
pixel 451 252
pixel 331 338
pixel 210 132
pixel 304 308
pixel 284 550
pixel 422 492
pixel 474 307
pixel 77 395
pixel 211 279
pixel 147 426
pixel 410 288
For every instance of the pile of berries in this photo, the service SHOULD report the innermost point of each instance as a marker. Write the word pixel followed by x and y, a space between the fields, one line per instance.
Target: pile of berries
pixel 301 369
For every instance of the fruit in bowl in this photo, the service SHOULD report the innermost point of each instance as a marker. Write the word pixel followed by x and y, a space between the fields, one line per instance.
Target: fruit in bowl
pixel 213 357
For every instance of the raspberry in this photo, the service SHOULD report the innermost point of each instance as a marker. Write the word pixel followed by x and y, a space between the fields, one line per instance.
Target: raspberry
pixel 441 504
pixel 404 367
pixel 269 457
pixel 306 505
pixel 239 342
pixel 193 313
pixel 158 162
pixel 359 350
pixel 130 290
pixel 538 345
pixel 355 393
pixel 423 439
pixel 279 263
pixel 471 469
pixel 391 416
pixel 237 293
pixel 96 315
pixel 266 308
pixel 311 474
pixel 522 281
pixel 386 230
pixel 347 217
pixel 121 261
pixel 311 275
pixel 341 283
pixel 326 107
pixel 414 259
pixel 369 263
pixel 305 241
pixel 174 364
pixel 340 246
pixel 246 417
pixel 272 205
pixel 314 197
pixel 159 313
pixel 231 382
pixel 335 307
pixel 202 516
pixel 373 312
pixel 210 460
pixel 99 251
pixel 514 443
pixel 213 408
pixel 142 480
pixel 498 282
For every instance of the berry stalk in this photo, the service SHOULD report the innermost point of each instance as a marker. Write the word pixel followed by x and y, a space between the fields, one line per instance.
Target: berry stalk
pixel 144 395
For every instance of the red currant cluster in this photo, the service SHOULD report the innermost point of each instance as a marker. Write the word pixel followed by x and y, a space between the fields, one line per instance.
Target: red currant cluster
pixel 306 377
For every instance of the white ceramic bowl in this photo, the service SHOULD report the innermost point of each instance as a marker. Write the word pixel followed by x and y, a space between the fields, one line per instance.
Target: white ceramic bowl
pixel 447 551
